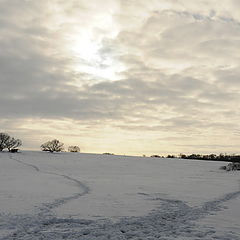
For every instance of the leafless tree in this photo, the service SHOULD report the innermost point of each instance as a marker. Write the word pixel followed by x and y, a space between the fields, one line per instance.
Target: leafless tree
pixel 74 149
pixel 52 146
pixel 13 143
pixel 9 142
pixel 4 138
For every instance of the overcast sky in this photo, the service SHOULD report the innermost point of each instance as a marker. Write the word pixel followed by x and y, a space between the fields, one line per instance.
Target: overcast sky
pixel 122 76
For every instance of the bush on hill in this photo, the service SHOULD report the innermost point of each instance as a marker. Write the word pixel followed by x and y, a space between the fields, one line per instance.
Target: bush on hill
pixel 74 149
pixel 231 167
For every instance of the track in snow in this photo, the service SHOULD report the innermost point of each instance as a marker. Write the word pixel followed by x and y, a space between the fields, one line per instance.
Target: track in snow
pixel 26 164
pixel 21 224
pixel 83 188
pixel 173 220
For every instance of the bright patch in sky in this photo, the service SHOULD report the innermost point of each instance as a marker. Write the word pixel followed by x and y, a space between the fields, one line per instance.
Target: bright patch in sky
pixel 85 51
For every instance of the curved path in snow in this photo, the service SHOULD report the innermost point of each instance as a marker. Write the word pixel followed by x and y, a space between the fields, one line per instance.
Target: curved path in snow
pixel 83 188
pixel 24 224
pixel 24 163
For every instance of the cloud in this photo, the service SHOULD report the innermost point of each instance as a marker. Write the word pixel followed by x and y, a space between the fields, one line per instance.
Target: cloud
pixel 166 66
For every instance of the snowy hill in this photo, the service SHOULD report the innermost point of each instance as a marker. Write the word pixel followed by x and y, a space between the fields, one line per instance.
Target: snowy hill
pixel 91 196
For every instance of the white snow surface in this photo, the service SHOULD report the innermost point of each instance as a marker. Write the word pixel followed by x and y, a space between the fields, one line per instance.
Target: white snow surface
pixel 93 196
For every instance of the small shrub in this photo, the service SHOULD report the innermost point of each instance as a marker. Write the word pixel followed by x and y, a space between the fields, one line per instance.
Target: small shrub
pixel 231 167
pixel 74 149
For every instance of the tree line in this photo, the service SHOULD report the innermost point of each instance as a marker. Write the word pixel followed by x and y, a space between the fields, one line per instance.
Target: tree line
pixel 213 157
pixel 208 157
pixel 12 144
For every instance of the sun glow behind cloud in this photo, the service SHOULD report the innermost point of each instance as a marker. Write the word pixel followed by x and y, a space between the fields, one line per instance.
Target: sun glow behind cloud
pixel 87 58
pixel 83 38
pixel 85 50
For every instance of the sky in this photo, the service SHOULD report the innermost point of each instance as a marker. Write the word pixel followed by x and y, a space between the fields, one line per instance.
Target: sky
pixel 123 76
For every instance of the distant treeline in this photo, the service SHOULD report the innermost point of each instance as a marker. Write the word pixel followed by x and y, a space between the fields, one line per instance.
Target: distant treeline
pixel 211 157
pixel 207 157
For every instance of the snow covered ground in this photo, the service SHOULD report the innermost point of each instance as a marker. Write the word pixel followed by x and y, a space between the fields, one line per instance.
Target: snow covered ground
pixel 91 196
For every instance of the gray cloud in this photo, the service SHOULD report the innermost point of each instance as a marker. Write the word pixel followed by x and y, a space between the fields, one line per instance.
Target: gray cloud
pixel 176 65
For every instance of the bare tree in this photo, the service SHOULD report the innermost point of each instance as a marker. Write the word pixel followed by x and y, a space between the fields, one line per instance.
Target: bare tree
pixel 52 146
pixel 74 149
pixel 9 142
pixel 13 143
pixel 4 138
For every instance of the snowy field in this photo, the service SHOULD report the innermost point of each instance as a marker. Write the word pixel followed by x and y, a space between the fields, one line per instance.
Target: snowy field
pixel 90 196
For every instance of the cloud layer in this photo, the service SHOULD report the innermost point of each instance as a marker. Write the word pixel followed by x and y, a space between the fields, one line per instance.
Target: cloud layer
pixel 155 76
